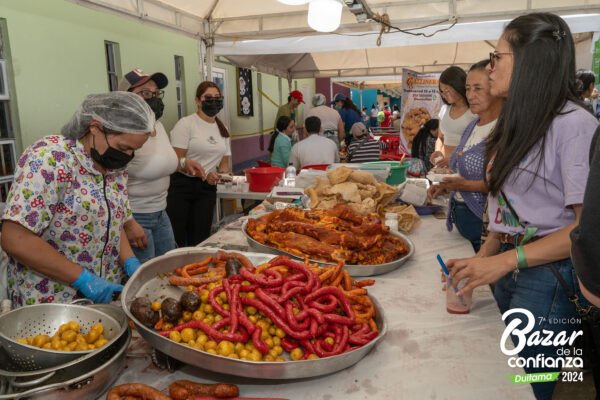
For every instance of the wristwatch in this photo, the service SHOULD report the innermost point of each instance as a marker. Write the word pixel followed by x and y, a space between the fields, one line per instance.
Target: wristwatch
pixel 182 163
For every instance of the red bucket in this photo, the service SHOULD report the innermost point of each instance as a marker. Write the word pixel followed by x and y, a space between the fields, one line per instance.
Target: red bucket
pixel 263 179
pixel 320 167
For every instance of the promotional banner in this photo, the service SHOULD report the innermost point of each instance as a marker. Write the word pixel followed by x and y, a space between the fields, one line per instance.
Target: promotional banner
pixel 421 102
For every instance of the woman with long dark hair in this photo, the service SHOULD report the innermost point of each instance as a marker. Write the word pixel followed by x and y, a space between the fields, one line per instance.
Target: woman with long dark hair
pixel 456 116
pixel 423 144
pixel 281 141
pixel 536 172
pixel 585 87
pixel 203 138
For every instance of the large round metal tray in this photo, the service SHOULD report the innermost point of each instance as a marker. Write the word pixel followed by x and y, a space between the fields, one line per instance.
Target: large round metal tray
pixel 149 281
pixel 354 270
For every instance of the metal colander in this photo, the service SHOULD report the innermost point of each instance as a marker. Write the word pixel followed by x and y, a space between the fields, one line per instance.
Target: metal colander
pixel 45 319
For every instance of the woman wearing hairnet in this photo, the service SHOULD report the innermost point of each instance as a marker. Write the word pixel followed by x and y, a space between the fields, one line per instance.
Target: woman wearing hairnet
pixel 64 216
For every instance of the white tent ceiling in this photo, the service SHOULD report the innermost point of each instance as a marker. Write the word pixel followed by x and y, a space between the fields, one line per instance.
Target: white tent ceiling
pixel 275 38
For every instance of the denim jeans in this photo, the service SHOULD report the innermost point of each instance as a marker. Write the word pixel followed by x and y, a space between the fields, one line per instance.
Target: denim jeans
pixel 467 223
pixel 158 232
pixel 536 289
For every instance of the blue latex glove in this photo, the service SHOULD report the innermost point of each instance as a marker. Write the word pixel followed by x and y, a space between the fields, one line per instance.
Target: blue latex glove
pixel 131 265
pixel 96 288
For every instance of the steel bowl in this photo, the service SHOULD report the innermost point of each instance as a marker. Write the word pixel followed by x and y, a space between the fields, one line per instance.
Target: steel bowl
pixel 150 281
pixel 87 380
pixel 19 377
pixel 45 319
pixel 353 270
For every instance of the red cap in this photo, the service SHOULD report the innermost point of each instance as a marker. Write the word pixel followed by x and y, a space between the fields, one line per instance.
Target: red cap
pixel 296 94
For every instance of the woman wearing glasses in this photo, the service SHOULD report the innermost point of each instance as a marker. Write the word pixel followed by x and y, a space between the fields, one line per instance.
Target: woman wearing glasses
pixel 537 166
pixel 203 138
pixel 149 231
pixel 456 116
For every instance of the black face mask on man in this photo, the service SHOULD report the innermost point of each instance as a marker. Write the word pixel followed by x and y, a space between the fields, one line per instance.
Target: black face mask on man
pixel 212 107
pixel 157 106
pixel 111 158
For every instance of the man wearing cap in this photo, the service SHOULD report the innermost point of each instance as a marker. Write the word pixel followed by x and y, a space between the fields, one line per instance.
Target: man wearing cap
pixel 364 148
pixel 149 232
pixel 331 122
pixel 290 109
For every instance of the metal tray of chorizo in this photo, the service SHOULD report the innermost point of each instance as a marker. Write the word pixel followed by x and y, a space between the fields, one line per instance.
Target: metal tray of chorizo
pixel 267 317
pixel 322 237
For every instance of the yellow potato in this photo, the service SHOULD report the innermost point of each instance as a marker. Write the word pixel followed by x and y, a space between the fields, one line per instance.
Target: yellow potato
pixel 79 346
pixel 93 335
pixel 188 334
pixel 47 346
pixel 175 336
pixel 71 346
pixel 74 326
pixel 69 335
pixel 63 327
pixel 296 354
pixel 40 340
pixel 80 339
pixel 98 327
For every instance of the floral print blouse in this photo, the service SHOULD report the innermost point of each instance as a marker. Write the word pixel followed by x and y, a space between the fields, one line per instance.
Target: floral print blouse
pixel 59 195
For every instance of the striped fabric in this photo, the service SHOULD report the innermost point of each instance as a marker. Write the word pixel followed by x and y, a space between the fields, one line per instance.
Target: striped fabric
pixel 364 151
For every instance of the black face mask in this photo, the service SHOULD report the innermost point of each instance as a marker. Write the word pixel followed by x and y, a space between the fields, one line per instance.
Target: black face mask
pixel 157 106
pixel 111 158
pixel 212 107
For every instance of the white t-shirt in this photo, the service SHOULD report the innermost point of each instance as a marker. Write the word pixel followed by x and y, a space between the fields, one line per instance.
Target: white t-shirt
pixel 479 134
pixel 315 149
pixel 452 129
pixel 149 173
pixel 202 140
pixel 329 117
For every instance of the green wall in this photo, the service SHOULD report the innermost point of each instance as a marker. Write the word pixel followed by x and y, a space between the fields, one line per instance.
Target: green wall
pixel 58 58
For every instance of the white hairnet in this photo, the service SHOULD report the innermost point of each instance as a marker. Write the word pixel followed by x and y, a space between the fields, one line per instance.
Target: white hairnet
pixel 318 99
pixel 117 111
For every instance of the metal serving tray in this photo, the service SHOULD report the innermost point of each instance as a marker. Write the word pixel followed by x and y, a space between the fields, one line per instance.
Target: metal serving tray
pixel 149 281
pixel 353 270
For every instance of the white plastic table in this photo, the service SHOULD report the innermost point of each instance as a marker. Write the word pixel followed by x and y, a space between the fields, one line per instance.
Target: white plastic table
pixel 427 353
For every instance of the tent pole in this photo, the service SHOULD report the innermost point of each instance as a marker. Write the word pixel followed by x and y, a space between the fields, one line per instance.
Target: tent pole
pixel 261 119
pixel 209 43
pixel 201 53
pixel 279 87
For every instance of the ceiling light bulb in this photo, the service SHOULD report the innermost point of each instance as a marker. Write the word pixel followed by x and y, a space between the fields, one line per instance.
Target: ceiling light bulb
pixel 293 2
pixel 324 15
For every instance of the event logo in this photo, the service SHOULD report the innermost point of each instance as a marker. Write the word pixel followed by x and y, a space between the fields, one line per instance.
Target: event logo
pixel 560 354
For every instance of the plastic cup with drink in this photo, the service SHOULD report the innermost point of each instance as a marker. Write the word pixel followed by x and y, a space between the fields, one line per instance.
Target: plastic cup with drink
pixel 455 304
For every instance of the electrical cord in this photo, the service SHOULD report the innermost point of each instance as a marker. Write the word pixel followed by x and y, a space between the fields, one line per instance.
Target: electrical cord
pixel 384 21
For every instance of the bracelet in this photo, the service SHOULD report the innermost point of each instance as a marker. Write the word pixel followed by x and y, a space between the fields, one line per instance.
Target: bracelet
pixel 182 163
pixel 521 260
